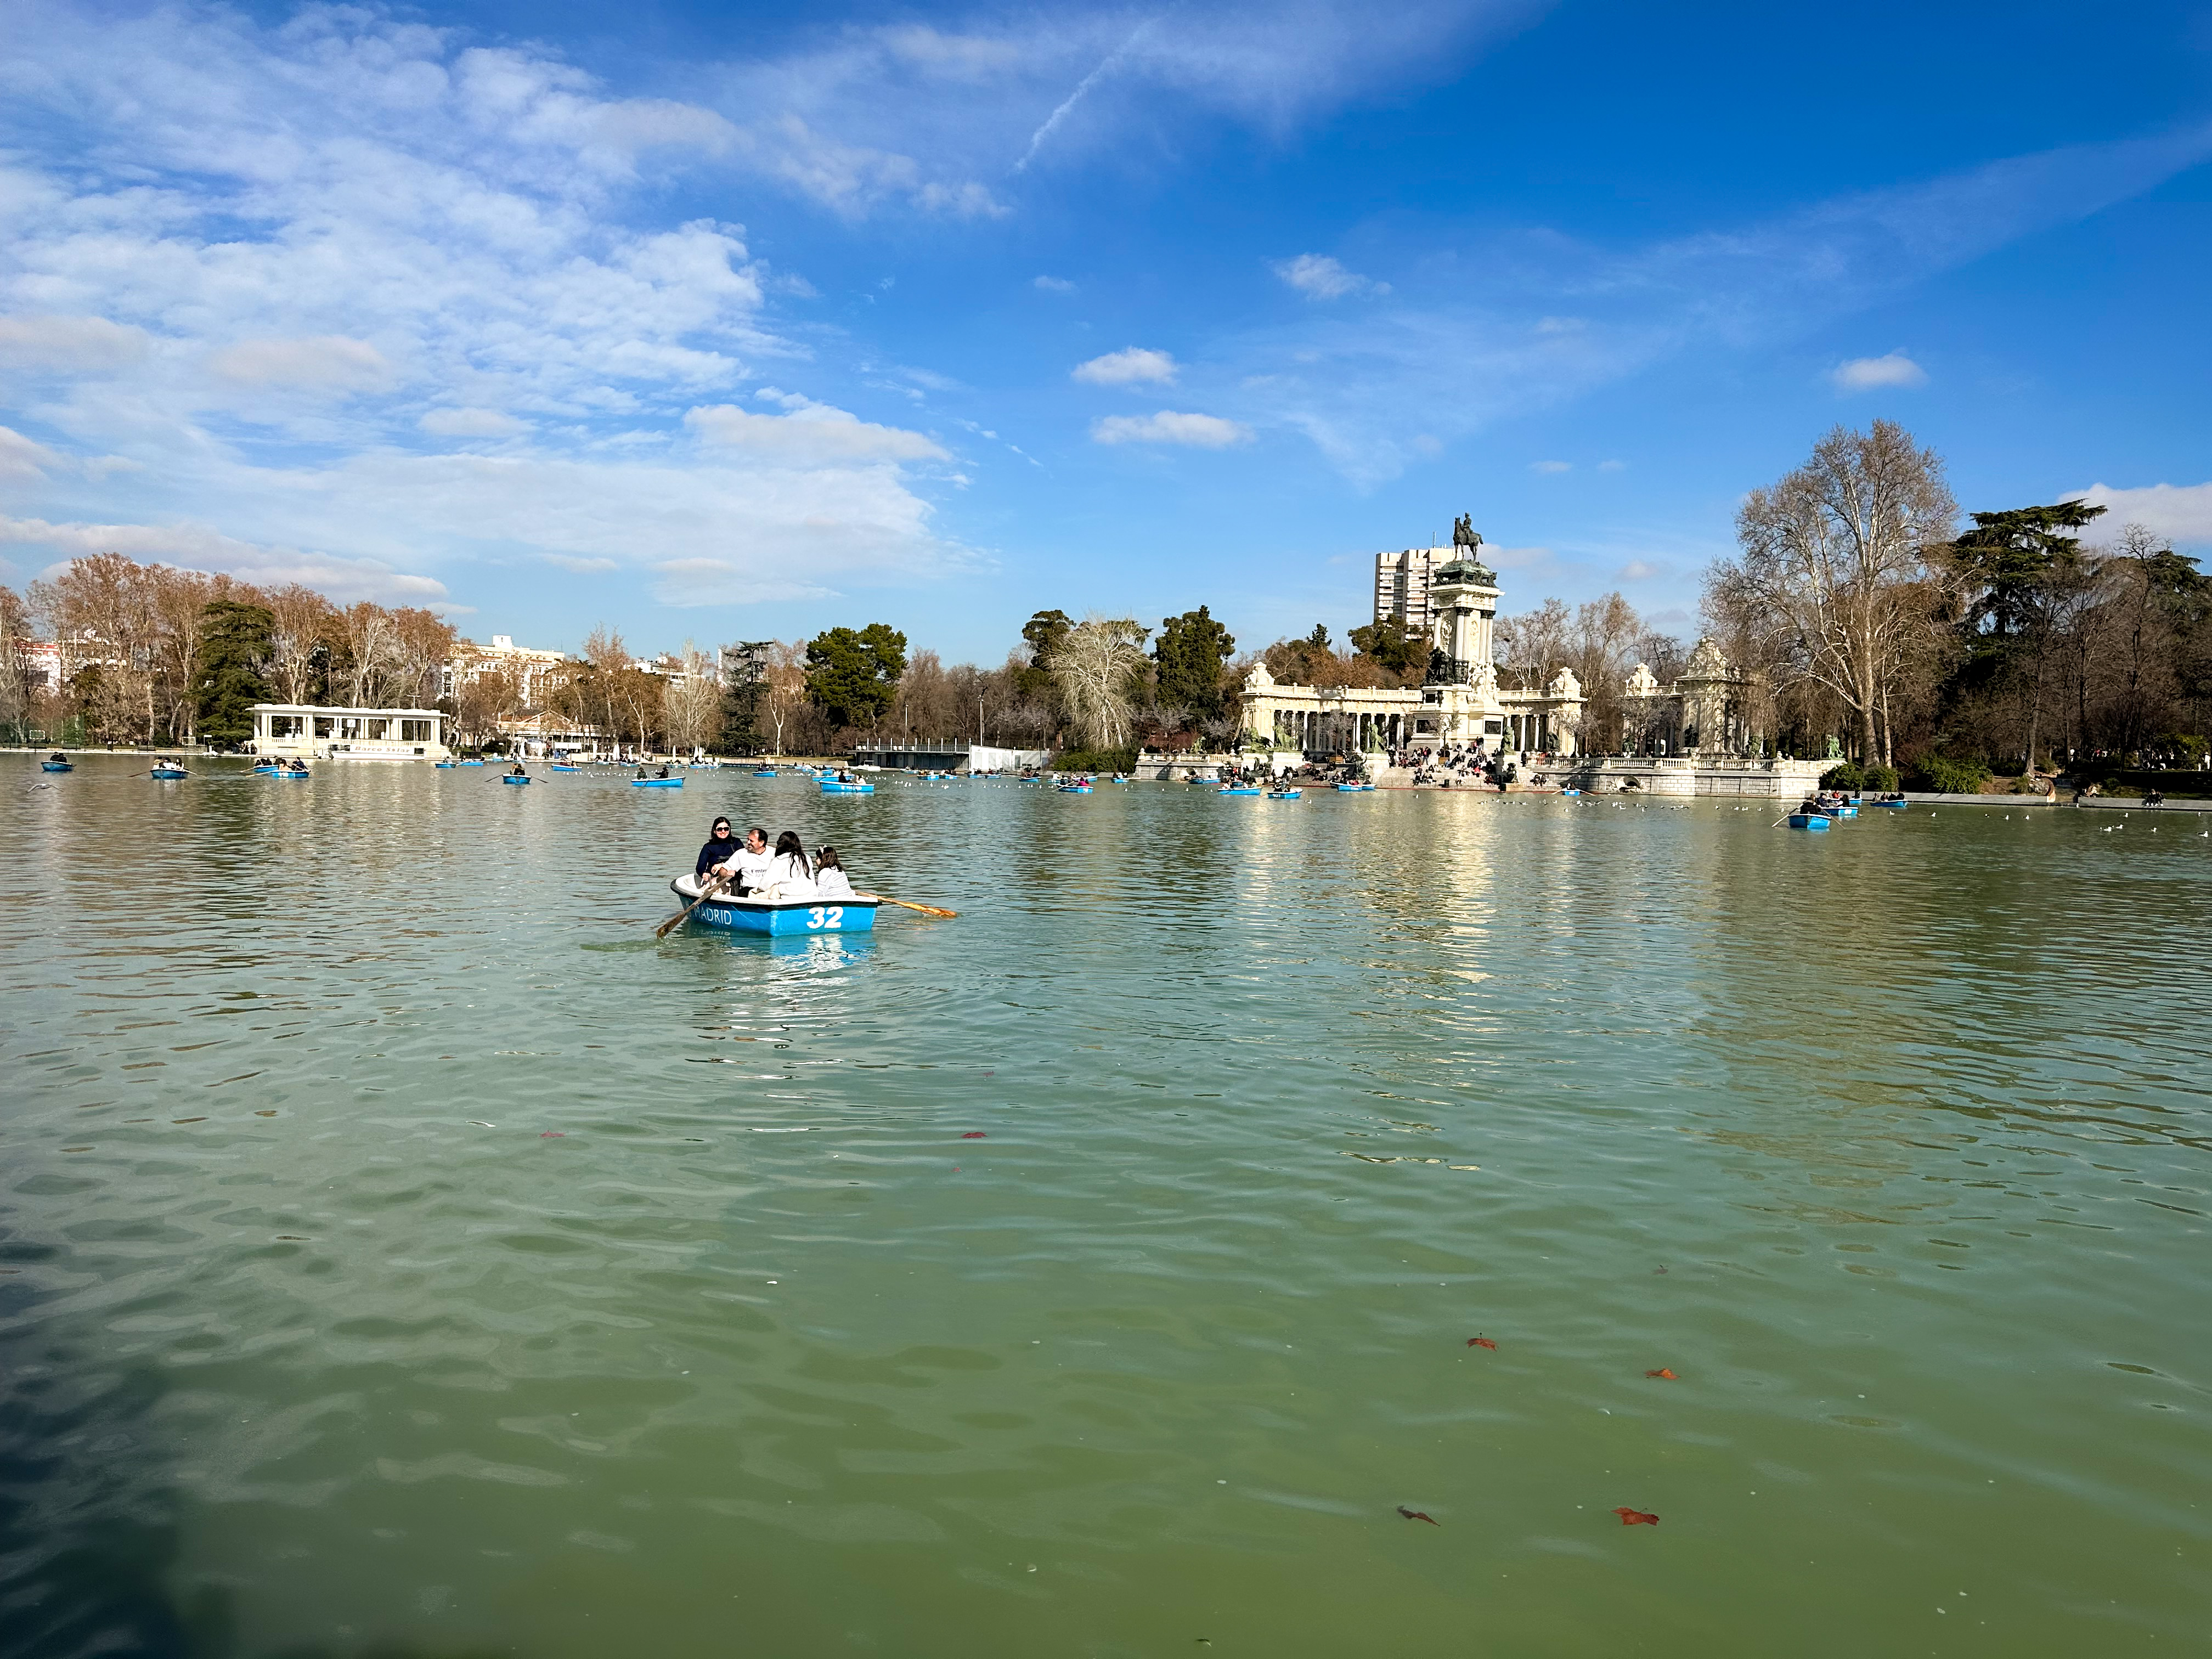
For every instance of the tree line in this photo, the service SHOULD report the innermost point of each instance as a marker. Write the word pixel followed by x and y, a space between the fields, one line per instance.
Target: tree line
pixel 1857 607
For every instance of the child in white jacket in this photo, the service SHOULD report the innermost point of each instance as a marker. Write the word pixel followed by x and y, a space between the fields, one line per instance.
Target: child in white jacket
pixel 830 881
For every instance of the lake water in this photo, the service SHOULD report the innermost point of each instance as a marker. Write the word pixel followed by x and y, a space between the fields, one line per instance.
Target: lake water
pixel 405 1255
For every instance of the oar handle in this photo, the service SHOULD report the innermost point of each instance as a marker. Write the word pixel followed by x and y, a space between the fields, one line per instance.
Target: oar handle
pixel 705 893
pixel 926 910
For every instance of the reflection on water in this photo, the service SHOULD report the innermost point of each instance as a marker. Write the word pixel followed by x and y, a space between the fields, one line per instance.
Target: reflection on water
pixel 400 1251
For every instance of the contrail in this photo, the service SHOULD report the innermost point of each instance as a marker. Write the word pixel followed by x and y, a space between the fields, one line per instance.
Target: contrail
pixel 1111 59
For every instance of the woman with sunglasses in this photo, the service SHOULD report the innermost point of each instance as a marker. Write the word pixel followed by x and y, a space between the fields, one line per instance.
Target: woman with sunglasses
pixel 721 848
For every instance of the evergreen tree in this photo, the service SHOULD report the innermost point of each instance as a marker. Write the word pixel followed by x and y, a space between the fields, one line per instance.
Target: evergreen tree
pixel 1391 645
pixel 851 676
pixel 745 686
pixel 234 645
pixel 1192 651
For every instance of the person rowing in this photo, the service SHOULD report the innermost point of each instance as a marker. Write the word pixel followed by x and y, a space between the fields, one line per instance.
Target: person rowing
pixel 517 770
pixel 749 864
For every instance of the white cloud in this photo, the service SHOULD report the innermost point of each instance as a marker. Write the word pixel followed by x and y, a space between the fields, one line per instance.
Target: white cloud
pixel 75 345
pixel 470 423
pixel 273 274
pixel 1167 427
pixel 1134 366
pixel 1550 466
pixel 1612 466
pixel 817 435
pixel 1876 373
pixel 21 458
pixel 329 362
pixel 581 567
pixel 2182 512
pixel 1640 570
pixel 1053 285
pixel 1514 558
pixel 1319 278
pixel 200 547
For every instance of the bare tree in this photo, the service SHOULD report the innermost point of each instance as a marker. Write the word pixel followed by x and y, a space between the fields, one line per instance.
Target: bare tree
pixel 694 700
pixel 304 621
pixel 1098 665
pixel 1837 552
pixel 1534 646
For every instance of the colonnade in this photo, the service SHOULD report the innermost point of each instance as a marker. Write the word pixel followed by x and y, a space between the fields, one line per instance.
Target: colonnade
pixel 1346 731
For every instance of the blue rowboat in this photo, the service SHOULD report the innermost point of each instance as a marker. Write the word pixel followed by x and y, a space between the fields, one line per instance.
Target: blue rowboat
pixel 656 783
pixel 1284 794
pixel 1808 820
pixel 294 772
pixel 764 771
pixel 57 766
pixel 472 763
pixel 169 772
pixel 1847 811
pixel 1074 788
pixel 793 916
pixel 1889 803
pixel 831 787
pixel 510 778
pixel 557 767
pixel 1226 790
pixel 444 766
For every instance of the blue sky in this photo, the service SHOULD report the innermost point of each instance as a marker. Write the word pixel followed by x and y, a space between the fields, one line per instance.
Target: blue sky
pixel 729 323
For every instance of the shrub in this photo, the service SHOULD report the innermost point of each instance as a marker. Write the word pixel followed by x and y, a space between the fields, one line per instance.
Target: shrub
pixel 1846 776
pixel 1096 760
pixel 1879 779
pixel 1952 777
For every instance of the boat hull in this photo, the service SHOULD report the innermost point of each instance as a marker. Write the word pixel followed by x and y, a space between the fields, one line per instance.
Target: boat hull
pixel 57 766
pixel 656 783
pixel 1894 804
pixel 1236 791
pixel 170 773
pixel 848 788
pixel 1808 821
pixel 567 768
pixel 512 780
pixel 1282 794
pixel 797 918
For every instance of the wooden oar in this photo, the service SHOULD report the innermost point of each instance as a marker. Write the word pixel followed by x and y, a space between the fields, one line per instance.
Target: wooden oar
pixel 926 910
pixel 684 914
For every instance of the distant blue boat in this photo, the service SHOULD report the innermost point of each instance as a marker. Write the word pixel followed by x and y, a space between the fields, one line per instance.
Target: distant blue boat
pixel 169 772
pixel 1284 794
pixel 510 778
pixel 57 766
pixel 558 767
pixel 472 763
pixel 656 783
pixel 444 766
pixel 1074 788
pixel 1355 788
pixel 764 771
pixel 293 772
pixel 1808 820
pixel 1889 803
pixel 795 916
pixel 1226 789
pixel 831 787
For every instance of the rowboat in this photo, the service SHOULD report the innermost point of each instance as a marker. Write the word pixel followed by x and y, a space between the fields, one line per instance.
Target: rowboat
pixel 1889 803
pixel 1284 794
pixel 169 772
pixel 558 767
pixel 1226 789
pixel 656 783
pixel 1355 788
pixel 749 916
pixel 291 772
pixel 831 787
pixel 57 766
pixel 472 763
pixel 764 771
pixel 1074 788
pixel 444 766
pixel 510 778
pixel 1847 811
pixel 1808 820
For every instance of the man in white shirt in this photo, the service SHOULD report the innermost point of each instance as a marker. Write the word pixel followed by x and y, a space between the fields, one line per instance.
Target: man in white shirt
pixel 750 866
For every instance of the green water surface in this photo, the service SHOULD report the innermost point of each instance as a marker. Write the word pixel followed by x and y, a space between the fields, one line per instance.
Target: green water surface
pixel 401 1253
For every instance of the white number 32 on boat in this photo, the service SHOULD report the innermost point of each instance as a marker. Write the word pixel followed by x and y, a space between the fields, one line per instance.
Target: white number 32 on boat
pixel 832 916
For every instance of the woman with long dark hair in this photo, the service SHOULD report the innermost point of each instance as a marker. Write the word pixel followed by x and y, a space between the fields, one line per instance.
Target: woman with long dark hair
pixel 789 875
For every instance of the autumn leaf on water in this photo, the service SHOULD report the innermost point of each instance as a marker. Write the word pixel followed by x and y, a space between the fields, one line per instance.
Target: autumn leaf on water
pixel 554 1135
pixel 1480 1342
pixel 974 1134
pixel 1636 1518
pixel 1663 1371
pixel 1415 1514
